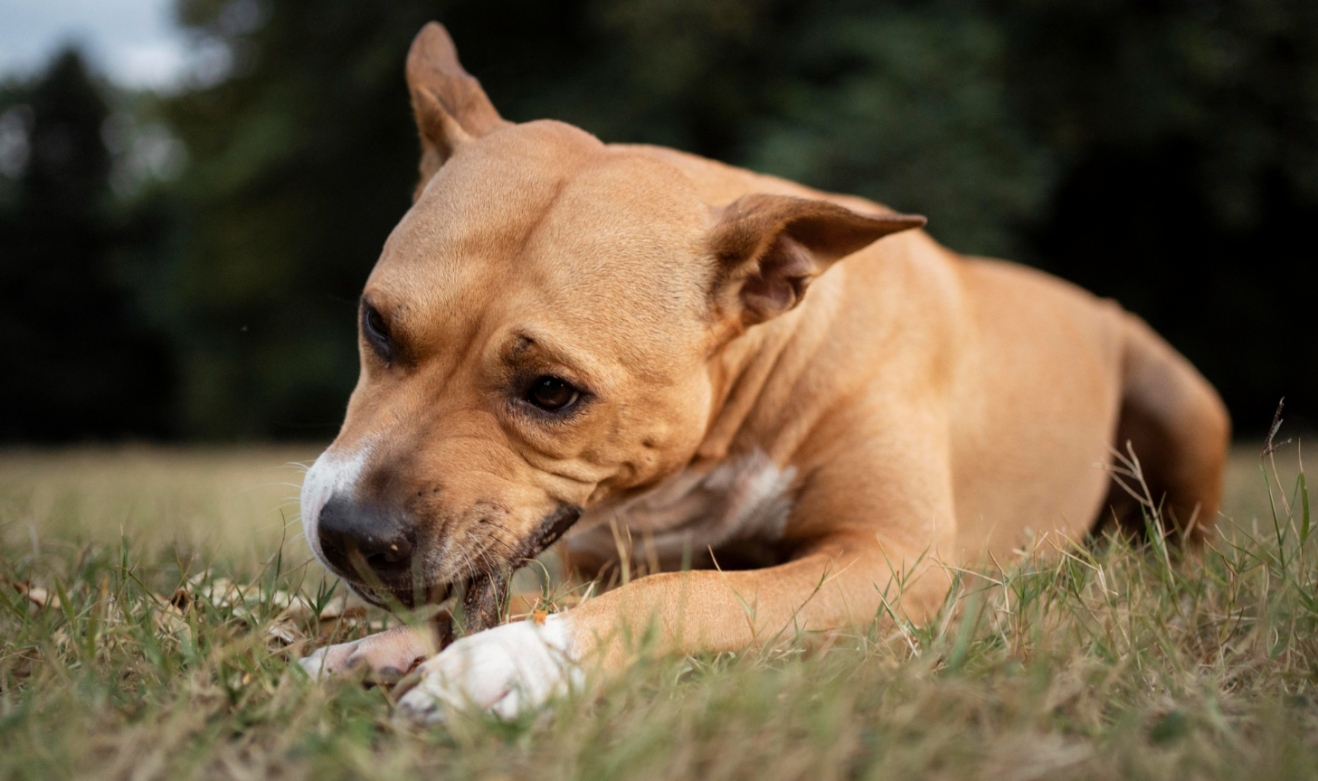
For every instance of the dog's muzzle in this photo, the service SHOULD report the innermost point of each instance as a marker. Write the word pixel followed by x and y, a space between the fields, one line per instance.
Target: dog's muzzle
pixel 374 548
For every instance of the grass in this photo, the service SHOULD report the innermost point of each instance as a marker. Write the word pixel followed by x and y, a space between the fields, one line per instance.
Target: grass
pixel 161 646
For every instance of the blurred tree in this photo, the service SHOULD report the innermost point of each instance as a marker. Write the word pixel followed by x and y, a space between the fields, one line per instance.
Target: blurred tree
pixel 909 105
pixel 1188 136
pixel 302 161
pixel 78 361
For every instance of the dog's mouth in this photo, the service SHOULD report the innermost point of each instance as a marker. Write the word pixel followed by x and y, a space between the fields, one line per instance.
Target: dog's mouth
pixel 477 601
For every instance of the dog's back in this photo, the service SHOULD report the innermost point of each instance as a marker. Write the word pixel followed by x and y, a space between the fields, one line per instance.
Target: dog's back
pixel 1060 380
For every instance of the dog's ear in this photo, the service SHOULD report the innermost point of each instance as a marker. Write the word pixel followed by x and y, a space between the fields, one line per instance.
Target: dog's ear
pixel 770 247
pixel 449 104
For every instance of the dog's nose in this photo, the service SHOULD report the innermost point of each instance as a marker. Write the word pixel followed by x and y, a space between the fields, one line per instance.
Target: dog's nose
pixel 354 536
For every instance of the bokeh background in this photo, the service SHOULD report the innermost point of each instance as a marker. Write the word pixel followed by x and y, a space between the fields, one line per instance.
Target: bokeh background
pixel 182 241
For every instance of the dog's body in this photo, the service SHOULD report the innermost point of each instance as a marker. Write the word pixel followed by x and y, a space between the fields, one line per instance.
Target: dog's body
pixel 916 409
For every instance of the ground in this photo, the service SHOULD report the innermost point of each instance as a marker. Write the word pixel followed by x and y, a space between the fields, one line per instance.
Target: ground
pixel 150 612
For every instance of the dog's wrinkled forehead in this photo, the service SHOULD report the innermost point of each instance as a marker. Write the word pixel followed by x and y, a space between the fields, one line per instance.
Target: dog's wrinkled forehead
pixel 545 217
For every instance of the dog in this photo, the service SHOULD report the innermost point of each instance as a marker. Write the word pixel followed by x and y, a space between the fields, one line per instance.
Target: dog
pixel 805 409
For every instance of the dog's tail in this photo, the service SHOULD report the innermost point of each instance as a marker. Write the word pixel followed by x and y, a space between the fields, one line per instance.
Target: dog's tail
pixel 1179 429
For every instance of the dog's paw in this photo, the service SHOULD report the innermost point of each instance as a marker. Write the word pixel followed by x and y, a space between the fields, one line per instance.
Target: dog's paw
pixel 383 657
pixel 504 670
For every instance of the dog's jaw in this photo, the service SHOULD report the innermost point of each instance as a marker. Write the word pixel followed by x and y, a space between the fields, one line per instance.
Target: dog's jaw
pixel 335 473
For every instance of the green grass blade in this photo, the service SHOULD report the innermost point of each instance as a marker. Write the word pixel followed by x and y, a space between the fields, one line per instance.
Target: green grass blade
pixel 1304 509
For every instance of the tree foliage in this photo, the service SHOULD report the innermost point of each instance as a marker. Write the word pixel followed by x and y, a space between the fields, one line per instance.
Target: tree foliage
pixel 1164 152
pixel 79 360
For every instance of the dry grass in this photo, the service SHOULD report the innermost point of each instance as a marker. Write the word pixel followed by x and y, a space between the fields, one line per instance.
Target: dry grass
pixel 1108 662
pixel 231 503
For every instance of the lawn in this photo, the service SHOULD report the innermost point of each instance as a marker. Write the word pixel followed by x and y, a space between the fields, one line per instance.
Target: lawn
pixel 151 601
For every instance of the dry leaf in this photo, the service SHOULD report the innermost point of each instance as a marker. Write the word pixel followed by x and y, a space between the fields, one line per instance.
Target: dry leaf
pixel 38 595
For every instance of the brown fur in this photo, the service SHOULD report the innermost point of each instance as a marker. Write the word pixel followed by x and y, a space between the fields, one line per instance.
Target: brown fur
pixel 936 409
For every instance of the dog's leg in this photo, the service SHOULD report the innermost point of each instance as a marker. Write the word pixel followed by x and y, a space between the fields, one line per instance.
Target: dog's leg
pixel 842 582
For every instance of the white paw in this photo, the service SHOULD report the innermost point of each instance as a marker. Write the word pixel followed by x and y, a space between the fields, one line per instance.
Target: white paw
pixel 504 670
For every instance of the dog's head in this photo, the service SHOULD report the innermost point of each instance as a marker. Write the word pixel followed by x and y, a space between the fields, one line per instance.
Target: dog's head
pixel 539 333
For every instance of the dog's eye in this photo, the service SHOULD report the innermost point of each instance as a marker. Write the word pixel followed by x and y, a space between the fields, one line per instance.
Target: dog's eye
pixel 552 394
pixel 376 331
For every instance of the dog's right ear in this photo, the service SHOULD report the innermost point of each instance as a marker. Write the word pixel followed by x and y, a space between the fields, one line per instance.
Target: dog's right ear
pixel 449 104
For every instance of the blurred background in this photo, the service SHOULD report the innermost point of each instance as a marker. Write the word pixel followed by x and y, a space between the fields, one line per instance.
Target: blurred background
pixel 192 193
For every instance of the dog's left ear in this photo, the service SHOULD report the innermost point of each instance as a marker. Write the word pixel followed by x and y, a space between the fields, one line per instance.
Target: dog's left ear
pixel 770 247
pixel 449 104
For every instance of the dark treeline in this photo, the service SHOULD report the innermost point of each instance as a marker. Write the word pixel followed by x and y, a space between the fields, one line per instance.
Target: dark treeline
pixel 77 358
pixel 1163 152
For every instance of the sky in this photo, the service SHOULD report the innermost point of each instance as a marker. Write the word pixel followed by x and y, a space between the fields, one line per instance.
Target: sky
pixel 133 42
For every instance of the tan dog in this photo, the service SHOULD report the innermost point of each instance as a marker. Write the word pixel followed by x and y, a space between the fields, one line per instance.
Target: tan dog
pixel 563 329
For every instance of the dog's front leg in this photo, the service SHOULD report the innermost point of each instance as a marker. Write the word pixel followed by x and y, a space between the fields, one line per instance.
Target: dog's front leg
pixel 841 582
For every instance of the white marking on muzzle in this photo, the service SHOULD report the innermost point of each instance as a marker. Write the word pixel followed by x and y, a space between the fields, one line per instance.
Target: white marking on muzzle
pixel 332 474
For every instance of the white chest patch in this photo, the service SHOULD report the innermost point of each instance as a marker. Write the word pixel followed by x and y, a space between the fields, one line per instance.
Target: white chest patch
pixel 742 500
